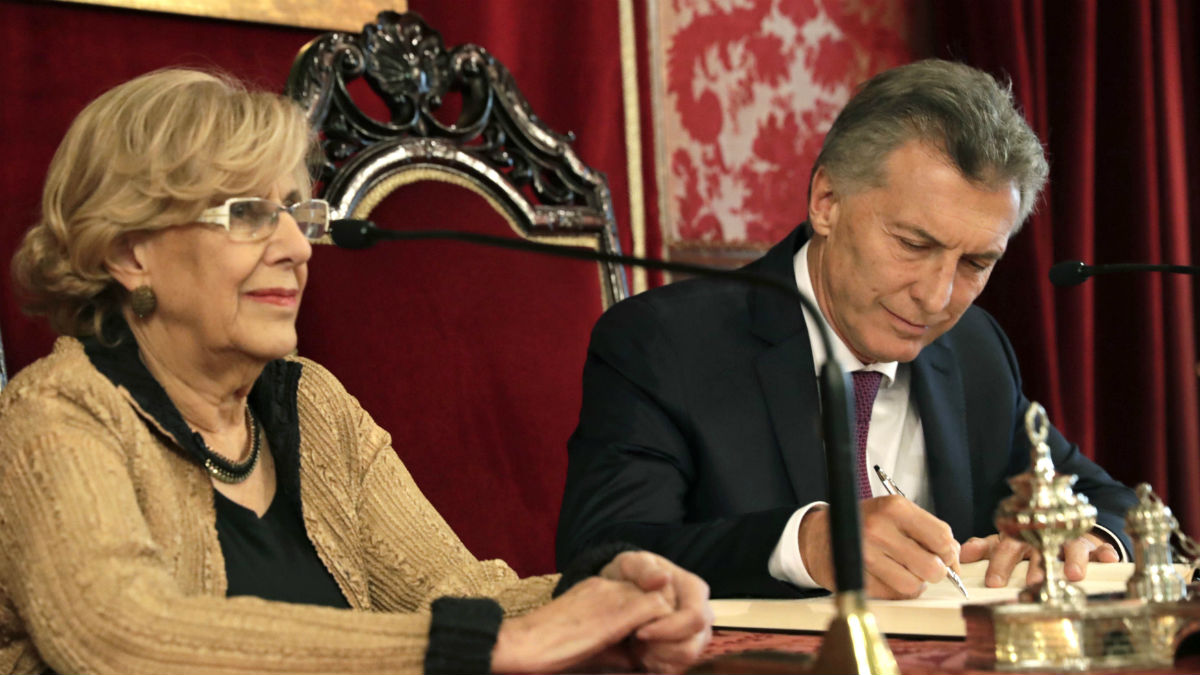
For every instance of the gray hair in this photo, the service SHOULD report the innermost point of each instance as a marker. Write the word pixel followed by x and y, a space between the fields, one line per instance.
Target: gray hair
pixel 961 110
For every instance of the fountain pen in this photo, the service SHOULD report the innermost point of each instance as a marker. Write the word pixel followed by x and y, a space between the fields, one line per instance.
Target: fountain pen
pixel 893 489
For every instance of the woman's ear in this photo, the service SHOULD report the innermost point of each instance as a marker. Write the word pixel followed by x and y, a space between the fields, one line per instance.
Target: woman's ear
pixel 125 261
pixel 822 203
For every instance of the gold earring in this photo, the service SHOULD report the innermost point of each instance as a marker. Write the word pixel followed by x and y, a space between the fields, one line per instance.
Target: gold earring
pixel 143 301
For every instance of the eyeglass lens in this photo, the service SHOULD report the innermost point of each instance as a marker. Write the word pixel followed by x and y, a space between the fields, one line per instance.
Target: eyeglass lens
pixel 258 217
pixel 312 216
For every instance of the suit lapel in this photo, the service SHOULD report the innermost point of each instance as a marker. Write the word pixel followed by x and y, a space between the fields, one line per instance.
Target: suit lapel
pixel 785 371
pixel 786 374
pixel 938 389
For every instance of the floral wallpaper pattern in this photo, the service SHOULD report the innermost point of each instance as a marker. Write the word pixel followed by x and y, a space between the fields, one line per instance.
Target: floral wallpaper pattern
pixel 748 89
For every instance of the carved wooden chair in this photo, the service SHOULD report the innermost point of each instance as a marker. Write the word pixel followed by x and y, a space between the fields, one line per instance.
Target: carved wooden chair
pixel 3 367
pixel 470 357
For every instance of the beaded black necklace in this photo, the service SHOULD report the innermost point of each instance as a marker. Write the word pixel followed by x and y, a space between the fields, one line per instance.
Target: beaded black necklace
pixel 233 472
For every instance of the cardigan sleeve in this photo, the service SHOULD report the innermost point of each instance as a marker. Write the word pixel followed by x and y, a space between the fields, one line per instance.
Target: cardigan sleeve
pixel 413 557
pixel 412 552
pixel 94 593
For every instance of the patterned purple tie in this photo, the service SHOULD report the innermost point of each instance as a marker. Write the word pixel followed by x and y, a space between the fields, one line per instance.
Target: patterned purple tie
pixel 866 385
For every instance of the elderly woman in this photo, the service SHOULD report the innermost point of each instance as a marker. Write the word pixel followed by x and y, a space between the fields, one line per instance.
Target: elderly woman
pixel 177 494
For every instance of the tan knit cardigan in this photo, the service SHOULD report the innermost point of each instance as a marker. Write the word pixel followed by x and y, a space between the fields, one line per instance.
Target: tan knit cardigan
pixel 109 558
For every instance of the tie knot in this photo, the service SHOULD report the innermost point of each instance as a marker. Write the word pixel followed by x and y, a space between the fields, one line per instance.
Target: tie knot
pixel 866 384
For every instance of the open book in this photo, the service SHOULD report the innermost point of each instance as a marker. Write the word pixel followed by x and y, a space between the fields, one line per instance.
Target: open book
pixel 938 611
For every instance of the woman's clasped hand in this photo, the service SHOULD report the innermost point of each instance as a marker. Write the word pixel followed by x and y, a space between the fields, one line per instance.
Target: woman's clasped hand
pixel 662 609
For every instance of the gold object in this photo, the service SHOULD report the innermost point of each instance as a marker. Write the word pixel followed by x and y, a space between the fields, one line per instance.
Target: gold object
pixel 1101 635
pixel 143 301
pixel 348 15
pixel 1045 512
pixel 1052 626
pixel 1150 525
pixel 633 139
pixel 853 643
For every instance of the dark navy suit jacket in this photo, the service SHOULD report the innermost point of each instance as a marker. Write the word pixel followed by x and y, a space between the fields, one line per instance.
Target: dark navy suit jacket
pixel 699 431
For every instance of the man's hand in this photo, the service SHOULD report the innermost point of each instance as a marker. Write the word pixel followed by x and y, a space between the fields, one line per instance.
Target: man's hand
pixel 1003 554
pixel 904 547
pixel 671 643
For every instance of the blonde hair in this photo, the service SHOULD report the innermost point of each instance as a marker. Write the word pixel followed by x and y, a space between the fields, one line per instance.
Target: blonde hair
pixel 148 154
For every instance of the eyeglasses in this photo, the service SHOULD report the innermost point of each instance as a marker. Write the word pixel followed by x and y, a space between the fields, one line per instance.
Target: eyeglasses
pixel 255 219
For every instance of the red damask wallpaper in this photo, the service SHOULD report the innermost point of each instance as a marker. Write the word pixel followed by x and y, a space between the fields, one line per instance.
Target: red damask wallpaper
pixel 744 91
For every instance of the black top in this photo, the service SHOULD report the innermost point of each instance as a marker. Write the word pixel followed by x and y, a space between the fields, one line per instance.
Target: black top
pixel 271 557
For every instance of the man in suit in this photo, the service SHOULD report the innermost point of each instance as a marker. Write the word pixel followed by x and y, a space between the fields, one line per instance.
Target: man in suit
pixel 698 436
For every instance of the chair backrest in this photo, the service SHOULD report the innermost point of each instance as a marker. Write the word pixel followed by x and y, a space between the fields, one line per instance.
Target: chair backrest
pixel 470 357
pixel 3 367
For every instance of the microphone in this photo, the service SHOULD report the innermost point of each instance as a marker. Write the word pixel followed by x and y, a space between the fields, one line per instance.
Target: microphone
pixel 1073 272
pixel 353 233
pixel 1069 273
pixel 836 406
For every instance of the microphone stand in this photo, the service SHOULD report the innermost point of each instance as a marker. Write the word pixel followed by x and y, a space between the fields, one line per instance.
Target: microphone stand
pixel 853 642
pixel 1072 272
pixel 1075 272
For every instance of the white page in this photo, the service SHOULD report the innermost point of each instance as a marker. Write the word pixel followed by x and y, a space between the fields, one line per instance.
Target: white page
pixel 938 611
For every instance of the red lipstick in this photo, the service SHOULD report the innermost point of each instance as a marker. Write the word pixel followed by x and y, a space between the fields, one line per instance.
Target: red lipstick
pixel 283 297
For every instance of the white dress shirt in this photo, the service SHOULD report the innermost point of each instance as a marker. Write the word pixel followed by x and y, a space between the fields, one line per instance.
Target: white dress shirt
pixel 894 441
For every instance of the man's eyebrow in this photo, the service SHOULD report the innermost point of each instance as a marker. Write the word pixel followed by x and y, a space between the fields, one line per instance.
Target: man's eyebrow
pixel 293 196
pixel 918 231
pixel 989 256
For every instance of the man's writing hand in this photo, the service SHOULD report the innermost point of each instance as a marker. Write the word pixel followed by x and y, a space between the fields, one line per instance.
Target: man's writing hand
pixel 904 547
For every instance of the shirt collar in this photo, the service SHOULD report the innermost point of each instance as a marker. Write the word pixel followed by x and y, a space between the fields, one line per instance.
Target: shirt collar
pixel 840 351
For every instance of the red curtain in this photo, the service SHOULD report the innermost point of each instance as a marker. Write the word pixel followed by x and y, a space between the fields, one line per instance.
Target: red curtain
pixel 1110 88
pixel 61 56
pixel 470 357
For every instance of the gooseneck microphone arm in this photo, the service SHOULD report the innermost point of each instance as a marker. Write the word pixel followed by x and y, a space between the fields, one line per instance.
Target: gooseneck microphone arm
pixel 836 405
pixel 1073 272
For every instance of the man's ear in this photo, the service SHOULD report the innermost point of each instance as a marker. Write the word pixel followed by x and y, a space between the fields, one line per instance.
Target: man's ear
pixel 126 261
pixel 822 203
